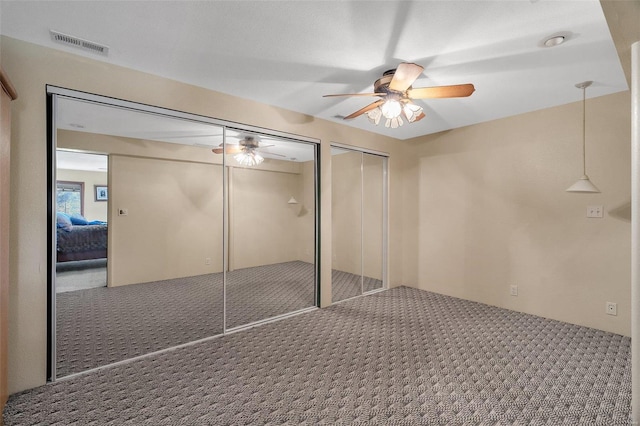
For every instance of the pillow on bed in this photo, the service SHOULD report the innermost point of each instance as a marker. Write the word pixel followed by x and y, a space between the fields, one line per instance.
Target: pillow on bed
pixel 77 219
pixel 63 221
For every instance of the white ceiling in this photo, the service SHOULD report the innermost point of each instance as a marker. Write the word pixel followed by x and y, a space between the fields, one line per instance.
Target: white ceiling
pixel 70 160
pixel 290 53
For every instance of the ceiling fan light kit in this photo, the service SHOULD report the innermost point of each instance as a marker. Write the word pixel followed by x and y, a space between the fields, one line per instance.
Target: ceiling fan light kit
pixel 584 184
pixel 396 103
pixel 249 158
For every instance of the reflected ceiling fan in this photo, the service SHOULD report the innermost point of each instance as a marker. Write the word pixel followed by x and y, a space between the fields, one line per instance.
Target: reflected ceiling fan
pixel 247 150
pixel 396 105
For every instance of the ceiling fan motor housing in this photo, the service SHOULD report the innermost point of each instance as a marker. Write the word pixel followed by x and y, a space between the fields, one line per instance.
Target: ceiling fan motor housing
pixel 382 84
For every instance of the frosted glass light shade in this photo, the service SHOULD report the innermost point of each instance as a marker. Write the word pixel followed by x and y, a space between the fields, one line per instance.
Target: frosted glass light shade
pixel 250 158
pixel 412 111
pixel 374 115
pixel 391 109
pixel 583 185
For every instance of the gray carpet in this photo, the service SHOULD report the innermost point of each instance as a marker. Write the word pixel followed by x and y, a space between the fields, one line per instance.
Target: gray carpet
pixel 401 356
pixel 103 325
pixel 345 285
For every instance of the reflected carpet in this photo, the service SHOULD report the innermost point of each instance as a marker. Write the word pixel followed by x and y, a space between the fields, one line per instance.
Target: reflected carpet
pixel 100 326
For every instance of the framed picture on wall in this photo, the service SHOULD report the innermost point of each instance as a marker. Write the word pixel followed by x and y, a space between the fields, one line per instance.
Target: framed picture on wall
pixel 102 193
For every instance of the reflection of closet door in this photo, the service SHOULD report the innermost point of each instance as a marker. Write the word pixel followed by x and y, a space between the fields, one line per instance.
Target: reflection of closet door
pixel 346 219
pixel 358 214
pixel 373 178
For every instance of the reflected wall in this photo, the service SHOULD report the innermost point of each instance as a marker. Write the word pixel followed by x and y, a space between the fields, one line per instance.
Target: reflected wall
pixel 271 205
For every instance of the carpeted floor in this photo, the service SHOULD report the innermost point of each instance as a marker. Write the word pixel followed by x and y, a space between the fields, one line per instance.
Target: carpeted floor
pixel 101 326
pixel 401 356
pixel 81 275
pixel 345 285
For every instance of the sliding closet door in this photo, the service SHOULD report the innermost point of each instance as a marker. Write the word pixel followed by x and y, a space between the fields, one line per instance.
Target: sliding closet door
pixel 373 208
pixel 358 215
pixel 142 270
pixel 167 228
pixel 346 219
pixel 271 235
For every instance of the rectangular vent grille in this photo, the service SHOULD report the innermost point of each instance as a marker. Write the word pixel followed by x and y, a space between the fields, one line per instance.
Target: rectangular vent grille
pixel 87 45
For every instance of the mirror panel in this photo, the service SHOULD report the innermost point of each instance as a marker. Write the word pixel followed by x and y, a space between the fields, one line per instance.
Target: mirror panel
pixel 346 219
pixel 162 278
pixel 373 167
pixel 204 229
pixel 271 246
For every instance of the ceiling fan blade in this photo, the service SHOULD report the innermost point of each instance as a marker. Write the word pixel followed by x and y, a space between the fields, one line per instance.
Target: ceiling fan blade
pixel 404 76
pixel 231 149
pixel 365 109
pixel 456 91
pixel 420 117
pixel 354 94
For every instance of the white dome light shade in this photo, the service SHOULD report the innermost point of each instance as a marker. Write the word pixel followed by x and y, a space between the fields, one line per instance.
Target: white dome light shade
pixel 391 108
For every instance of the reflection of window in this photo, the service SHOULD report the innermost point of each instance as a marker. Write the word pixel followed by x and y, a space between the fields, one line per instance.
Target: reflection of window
pixel 70 197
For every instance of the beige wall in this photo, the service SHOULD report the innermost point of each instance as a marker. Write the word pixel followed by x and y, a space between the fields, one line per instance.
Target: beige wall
pixel 486 208
pixel 93 210
pixel 357 208
pixel 173 226
pixel 305 213
pixel 31 68
pixel 264 229
pixel 372 215
pixel 346 208
pixel 168 183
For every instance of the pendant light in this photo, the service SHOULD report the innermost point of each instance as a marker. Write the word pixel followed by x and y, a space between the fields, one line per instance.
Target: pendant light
pixel 583 184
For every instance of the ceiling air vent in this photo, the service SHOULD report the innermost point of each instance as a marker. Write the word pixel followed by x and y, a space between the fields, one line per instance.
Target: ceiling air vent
pixel 87 45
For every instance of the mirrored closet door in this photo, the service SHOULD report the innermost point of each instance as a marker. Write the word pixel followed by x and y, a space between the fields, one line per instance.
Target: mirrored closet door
pixel 358 215
pixel 168 228
pixel 271 265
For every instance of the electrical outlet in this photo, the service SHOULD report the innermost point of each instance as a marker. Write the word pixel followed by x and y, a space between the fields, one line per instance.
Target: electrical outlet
pixel 207 261
pixel 595 211
pixel 611 308
pixel 513 290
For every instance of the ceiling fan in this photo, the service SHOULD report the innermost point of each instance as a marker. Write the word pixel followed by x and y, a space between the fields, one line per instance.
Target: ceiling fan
pixel 394 87
pixel 247 150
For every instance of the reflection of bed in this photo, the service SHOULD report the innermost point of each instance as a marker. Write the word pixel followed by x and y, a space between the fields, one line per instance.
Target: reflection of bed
pixel 82 243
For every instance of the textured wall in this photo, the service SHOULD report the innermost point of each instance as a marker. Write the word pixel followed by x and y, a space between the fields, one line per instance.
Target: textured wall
pixel 486 208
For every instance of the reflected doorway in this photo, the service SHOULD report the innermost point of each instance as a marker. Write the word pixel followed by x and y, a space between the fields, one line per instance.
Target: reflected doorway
pixel 81 220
